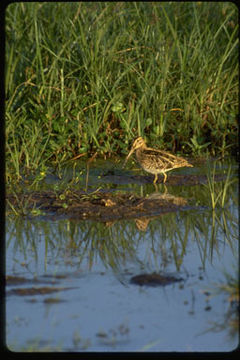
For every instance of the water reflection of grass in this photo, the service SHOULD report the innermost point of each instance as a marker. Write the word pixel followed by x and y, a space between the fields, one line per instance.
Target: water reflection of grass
pixel 166 240
pixel 211 221
pixel 228 287
pixel 117 242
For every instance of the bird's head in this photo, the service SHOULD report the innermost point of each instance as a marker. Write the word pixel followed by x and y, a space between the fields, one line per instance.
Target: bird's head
pixel 137 144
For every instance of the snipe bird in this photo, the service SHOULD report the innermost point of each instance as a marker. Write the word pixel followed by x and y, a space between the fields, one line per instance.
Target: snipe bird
pixel 155 161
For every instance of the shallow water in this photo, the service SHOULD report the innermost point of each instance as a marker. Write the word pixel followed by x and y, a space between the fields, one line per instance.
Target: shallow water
pixel 83 269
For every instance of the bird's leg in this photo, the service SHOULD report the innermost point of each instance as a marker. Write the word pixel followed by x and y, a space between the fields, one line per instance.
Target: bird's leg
pixel 155 179
pixel 156 188
pixel 165 189
pixel 165 177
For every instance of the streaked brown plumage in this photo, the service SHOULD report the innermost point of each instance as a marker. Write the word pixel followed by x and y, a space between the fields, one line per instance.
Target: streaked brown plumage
pixel 155 161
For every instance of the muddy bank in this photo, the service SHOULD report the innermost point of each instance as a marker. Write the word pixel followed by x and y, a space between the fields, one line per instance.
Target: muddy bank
pixel 101 206
pixel 105 205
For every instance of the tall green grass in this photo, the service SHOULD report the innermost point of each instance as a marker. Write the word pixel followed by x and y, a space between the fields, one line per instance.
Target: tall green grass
pixel 87 77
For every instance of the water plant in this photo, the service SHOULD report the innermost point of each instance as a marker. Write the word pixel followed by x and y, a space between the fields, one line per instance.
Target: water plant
pixel 218 190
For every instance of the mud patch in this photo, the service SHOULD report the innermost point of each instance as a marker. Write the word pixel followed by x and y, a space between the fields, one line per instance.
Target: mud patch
pixel 19 280
pixel 36 291
pixel 154 279
pixel 99 205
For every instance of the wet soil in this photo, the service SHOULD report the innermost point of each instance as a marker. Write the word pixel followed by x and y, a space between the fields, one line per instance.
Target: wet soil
pixel 36 291
pixel 12 280
pixel 103 205
pixel 154 279
pixel 34 286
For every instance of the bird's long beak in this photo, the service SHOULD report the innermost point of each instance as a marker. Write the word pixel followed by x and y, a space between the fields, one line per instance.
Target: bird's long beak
pixel 131 151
